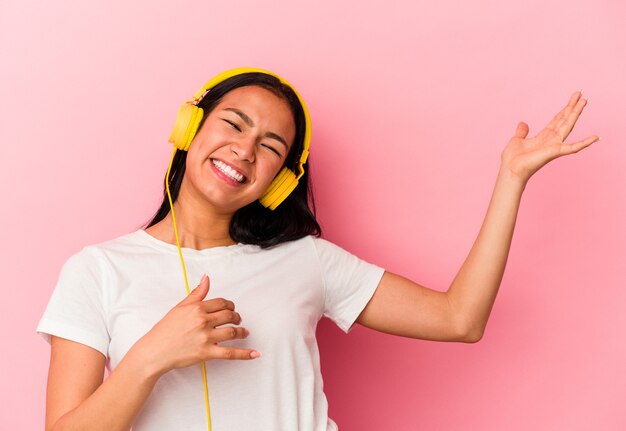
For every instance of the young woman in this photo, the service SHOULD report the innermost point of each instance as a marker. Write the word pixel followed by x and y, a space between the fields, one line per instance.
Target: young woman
pixel 250 322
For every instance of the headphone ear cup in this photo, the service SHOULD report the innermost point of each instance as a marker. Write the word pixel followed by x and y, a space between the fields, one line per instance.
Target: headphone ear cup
pixel 284 183
pixel 185 127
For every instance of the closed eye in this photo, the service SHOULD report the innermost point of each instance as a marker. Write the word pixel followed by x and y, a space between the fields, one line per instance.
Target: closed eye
pixel 233 125
pixel 269 147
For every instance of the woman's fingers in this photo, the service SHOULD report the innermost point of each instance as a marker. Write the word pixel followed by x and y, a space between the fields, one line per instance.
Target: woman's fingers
pixel 223 317
pixel 567 123
pixel 521 131
pixel 217 304
pixel 577 146
pixel 228 333
pixel 220 311
pixel 232 353
pixel 563 112
pixel 563 122
pixel 231 333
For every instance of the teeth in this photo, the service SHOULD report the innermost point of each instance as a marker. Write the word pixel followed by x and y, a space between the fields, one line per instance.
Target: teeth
pixel 228 170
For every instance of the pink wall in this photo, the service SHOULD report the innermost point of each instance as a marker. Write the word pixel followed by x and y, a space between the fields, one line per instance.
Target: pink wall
pixel 411 106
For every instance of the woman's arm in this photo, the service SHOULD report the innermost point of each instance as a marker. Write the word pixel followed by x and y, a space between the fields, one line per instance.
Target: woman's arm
pixel 402 307
pixel 77 397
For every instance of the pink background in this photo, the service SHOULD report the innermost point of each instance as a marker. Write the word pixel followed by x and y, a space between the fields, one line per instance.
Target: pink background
pixel 412 103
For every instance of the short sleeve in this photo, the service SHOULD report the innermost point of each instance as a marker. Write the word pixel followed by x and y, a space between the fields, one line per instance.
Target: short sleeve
pixel 76 310
pixel 349 283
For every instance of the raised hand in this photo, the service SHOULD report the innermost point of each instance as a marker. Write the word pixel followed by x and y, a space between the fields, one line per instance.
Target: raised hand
pixel 190 332
pixel 523 156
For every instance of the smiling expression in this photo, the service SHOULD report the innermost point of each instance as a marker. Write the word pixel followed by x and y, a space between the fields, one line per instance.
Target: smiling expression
pixel 241 146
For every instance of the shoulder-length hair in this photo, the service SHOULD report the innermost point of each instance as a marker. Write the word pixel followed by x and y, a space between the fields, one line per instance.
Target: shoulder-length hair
pixel 294 218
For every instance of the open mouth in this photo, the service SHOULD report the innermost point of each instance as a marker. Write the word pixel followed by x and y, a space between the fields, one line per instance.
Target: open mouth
pixel 228 171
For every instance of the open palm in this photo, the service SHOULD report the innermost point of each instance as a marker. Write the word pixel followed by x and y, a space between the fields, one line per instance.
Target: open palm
pixel 524 156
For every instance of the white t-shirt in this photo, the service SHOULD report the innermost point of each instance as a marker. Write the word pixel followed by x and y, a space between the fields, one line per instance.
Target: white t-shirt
pixel 110 294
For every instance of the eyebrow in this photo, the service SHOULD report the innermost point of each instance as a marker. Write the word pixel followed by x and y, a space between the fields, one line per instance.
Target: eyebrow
pixel 250 123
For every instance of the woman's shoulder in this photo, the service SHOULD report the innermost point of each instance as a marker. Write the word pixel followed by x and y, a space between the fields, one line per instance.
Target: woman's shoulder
pixel 302 248
pixel 95 253
pixel 306 242
pixel 314 245
pixel 111 244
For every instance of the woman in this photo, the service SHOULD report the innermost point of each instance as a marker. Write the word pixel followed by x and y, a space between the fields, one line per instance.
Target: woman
pixel 270 279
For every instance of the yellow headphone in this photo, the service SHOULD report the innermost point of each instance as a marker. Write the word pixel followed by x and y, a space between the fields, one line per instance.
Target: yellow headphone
pixel 190 116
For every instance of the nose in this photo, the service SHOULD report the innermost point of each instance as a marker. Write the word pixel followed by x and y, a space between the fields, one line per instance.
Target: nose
pixel 245 149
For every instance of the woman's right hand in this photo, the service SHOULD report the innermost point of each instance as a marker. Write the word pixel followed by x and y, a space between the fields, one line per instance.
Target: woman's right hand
pixel 189 334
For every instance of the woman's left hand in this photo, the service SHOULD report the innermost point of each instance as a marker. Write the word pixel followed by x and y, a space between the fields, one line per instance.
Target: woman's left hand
pixel 523 156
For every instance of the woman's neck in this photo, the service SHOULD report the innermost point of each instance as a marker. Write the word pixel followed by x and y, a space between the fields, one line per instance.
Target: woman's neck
pixel 197 228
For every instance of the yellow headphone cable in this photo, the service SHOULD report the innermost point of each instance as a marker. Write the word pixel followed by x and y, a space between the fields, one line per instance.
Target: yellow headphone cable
pixel 185 128
pixel 182 261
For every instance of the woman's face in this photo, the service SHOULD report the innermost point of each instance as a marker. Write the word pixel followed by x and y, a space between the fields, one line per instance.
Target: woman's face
pixel 241 146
